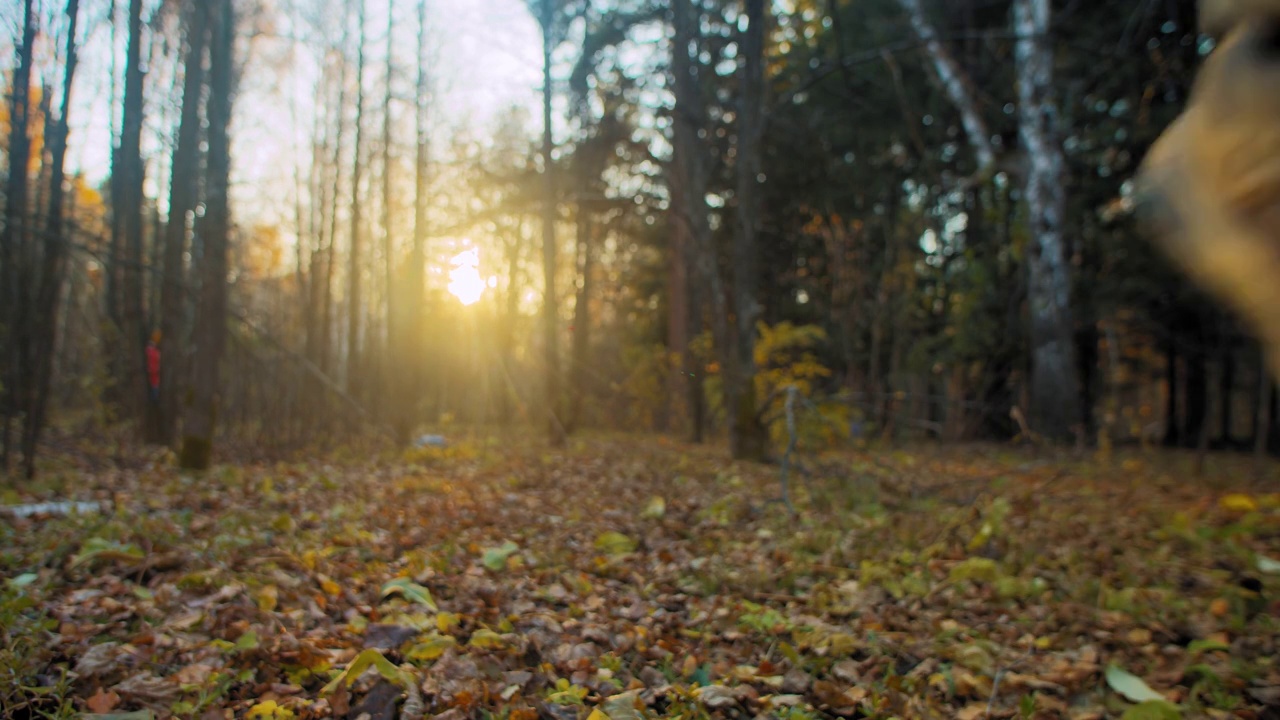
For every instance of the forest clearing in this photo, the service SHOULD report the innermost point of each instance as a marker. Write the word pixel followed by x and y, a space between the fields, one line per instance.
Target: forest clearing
pixel 628 577
pixel 617 359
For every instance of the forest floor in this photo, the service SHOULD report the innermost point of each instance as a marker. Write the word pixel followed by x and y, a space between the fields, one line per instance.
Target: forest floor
pixel 635 577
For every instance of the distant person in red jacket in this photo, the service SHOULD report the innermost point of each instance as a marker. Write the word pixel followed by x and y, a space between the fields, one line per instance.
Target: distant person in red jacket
pixel 153 366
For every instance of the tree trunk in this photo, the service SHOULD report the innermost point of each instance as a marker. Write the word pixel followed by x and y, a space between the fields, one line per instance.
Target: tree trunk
pixel 415 348
pixel 53 270
pixel 330 252
pixel 747 437
pixel 13 242
pixel 1262 414
pixel 689 177
pixel 211 319
pixel 1226 385
pixel 354 378
pixel 128 215
pixel 582 314
pixel 550 334
pixel 1172 428
pixel 391 400
pixel 1055 384
pixel 184 191
pixel 956 85
pixel 1197 398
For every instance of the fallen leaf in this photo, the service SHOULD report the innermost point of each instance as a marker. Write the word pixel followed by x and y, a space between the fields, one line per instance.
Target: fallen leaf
pixel 495 558
pixel 99 659
pixel 412 591
pixel 614 543
pixel 1238 503
pixel 268 598
pixel 103 702
pixel 656 508
pixel 716 696
pixel 1130 686
pixel 146 686
pixel 1219 607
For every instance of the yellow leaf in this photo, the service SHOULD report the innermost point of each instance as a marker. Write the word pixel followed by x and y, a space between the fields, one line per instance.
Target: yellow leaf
pixel 1237 502
pixel 447 621
pixel 597 715
pixel 330 587
pixel 268 598
pixel 269 709
pixel 486 638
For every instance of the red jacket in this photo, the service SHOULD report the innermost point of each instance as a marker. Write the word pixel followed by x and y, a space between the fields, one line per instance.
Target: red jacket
pixel 153 365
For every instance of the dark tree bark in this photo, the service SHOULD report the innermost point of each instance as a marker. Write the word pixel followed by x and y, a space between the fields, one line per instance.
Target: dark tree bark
pixel 53 267
pixel 689 178
pixel 184 190
pixel 550 329
pixel 128 175
pixel 747 437
pixel 200 420
pixel 13 243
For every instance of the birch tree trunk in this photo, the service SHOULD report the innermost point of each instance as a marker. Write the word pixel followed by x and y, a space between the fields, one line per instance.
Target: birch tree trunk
pixel 1055 385
pixel 955 84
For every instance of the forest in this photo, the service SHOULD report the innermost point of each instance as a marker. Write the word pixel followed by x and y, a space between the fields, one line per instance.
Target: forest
pixel 639 358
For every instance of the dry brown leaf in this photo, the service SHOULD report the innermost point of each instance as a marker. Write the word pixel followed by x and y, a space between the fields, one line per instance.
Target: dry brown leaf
pixel 103 702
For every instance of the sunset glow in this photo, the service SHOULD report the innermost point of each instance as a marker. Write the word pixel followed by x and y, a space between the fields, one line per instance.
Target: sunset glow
pixel 465 282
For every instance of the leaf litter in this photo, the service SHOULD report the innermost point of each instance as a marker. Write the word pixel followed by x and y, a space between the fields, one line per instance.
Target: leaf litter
pixel 643 579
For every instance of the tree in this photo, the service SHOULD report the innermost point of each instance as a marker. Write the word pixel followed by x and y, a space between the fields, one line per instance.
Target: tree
pixel 200 420
pixel 688 179
pixel 53 266
pixel 127 182
pixel 1055 380
pixel 184 190
pixel 550 320
pixel 391 349
pixel 1055 410
pixel 747 437
pixel 414 278
pixel 354 260
pixel 13 243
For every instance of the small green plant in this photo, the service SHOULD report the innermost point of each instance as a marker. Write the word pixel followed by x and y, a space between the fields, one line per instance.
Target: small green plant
pixel 24 655
pixel 763 620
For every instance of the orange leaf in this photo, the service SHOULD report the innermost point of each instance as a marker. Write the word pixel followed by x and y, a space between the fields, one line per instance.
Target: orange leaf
pixel 1219 607
pixel 103 702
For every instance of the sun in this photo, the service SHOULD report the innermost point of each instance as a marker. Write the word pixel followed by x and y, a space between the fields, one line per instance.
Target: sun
pixel 465 282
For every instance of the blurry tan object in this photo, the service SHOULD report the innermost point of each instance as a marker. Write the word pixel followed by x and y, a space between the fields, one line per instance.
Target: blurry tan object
pixel 1211 184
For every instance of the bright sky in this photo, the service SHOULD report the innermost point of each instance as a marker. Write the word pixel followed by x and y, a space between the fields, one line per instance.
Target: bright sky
pixel 487 58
